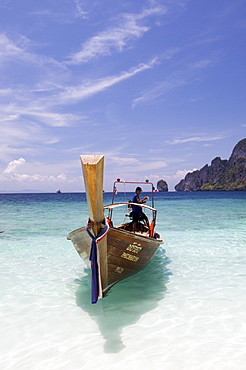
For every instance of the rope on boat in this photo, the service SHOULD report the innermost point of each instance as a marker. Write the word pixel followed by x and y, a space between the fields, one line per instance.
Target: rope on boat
pixel 96 284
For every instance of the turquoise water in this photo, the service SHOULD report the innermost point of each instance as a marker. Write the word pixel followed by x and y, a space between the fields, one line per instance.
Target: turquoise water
pixel 186 310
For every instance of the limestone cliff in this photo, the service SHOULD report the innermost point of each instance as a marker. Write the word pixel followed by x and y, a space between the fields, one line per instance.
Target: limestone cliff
pixel 220 175
pixel 162 185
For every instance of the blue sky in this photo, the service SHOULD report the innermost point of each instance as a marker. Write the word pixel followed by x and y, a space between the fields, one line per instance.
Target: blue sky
pixel 158 87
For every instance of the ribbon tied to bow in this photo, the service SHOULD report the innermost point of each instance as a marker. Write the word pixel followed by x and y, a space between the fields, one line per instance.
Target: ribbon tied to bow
pixel 96 284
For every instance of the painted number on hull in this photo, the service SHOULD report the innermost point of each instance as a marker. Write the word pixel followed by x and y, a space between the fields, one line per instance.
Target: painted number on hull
pixel 129 257
pixel 134 247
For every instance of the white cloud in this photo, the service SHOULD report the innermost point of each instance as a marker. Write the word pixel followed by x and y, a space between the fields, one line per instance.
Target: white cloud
pixel 123 161
pixel 51 118
pixel 180 174
pixel 134 165
pixel 175 178
pixel 195 139
pixel 155 165
pixel 178 79
pixel 74 93
pixel 61 14
pixel 18 137
pixel 17 51
pixel 5 92
pixel 37 178
pixel 115 39
pixel 13 174
pixel 27 108
pixel 12 166
pixel 184 75
pixel 202 63
pixel 80 9
pixel 160 89
pixel 8 48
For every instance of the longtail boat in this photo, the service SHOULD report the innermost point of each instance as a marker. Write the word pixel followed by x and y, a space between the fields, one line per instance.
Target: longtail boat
pixel 112 252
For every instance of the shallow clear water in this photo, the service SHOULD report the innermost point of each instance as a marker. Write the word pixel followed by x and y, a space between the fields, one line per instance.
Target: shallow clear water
pixel 186 310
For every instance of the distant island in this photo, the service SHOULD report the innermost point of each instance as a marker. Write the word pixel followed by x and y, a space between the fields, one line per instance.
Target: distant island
pixel 162 185
pixel 220 175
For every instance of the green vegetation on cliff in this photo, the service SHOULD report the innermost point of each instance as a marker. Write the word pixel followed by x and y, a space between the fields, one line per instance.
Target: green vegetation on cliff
pixel 220 175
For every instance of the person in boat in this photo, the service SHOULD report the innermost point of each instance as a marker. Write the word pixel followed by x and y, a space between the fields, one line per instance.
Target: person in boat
pixel 137 213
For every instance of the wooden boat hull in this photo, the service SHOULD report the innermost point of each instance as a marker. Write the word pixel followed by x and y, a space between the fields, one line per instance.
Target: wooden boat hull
pixel 127 253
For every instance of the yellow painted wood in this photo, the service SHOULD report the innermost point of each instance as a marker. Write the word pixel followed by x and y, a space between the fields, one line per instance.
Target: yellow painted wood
pixel 93 168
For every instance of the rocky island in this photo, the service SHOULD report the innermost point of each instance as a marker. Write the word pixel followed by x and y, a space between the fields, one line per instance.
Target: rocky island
pixel 220 175
pixel 162 185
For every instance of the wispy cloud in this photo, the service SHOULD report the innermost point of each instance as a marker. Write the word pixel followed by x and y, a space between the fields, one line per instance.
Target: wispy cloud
pixel 203 63
pixel 26 127
pixel 135 165
pixel 195 139
pixel 74 93
pixel 183 76
pixel 41 99
pixel 7 48
pixel 64 14
pixel 159 90
pixel 17 51
pixel 21 137
pixel 80 7
pixel 150 166
pixel 29 110
pixel 186 67
pixel 115 39
pixel 123 161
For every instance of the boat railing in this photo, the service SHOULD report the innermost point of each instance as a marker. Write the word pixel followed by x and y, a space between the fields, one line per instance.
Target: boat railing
pixel 144 183
pixel 115 205
pixel 110 208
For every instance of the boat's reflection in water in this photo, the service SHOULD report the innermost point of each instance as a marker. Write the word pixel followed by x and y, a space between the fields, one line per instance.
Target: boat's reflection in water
pixel 127 301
